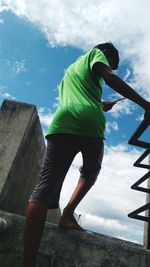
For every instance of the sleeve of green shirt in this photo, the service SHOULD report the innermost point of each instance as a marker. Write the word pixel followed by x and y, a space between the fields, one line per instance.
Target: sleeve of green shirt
pixel 98 56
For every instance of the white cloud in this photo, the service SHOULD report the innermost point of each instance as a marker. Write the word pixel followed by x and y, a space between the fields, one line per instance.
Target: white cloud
pixel 121 108
pixel 111 224
pixel 45 116
pixel 4 94
pixel 104 209
pixel 1 21
pixel 140 118
pixel 56 103
pixel 111 126
pixel 127 75
pixel 3 6
pixel 124 107
pixel 19 66
pixel 86 23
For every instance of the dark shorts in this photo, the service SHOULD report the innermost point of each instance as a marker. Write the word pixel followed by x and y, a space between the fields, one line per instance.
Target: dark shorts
pixel 60 152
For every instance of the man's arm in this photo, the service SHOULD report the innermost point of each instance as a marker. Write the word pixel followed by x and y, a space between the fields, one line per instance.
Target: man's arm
pixel 113 81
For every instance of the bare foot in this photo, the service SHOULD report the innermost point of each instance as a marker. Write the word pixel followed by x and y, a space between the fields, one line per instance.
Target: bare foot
pixel 68 221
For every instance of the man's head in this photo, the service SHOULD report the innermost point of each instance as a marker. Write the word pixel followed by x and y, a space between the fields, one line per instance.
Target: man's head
pixel 111 54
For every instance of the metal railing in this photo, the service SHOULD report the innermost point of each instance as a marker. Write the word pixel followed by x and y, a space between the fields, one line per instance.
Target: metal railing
pixel 134 140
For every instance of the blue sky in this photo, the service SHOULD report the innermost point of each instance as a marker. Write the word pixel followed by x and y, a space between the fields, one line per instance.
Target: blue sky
pixel 36 48
pixel 31 71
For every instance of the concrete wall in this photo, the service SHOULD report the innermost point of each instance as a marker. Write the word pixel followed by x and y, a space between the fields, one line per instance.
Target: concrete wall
pixel 21 154
pixel 70 248
pixel 22 149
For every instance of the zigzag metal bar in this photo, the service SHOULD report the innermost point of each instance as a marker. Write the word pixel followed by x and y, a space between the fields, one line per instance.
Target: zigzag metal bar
pixel 141 180
pixel 134 214
pixel 140 217
pixel 142 189
pixel 134 141
pixel 143 156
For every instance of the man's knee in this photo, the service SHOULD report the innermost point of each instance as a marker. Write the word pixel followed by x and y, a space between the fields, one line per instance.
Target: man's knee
pixel 90 175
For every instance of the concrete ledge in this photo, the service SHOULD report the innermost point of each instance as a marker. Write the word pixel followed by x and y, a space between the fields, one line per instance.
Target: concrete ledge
pixel 70 249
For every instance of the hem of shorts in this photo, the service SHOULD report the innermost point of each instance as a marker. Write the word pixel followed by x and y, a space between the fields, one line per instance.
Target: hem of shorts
pixel 87 181
pixel 44 203
pixel 75 133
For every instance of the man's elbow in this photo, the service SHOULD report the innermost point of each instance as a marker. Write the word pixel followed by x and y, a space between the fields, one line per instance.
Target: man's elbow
pixel 111 80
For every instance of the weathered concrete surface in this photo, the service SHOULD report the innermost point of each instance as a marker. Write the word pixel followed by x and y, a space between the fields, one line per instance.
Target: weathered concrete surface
pixel 22 148
pixel 70 248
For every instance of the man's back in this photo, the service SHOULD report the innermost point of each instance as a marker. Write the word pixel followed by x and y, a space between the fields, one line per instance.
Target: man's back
pixel 80 111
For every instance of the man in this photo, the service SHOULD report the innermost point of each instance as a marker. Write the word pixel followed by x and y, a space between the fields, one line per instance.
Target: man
pixel 78 125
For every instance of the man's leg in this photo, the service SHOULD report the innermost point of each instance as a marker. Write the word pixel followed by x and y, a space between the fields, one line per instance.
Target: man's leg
pixel 67 220
pixel 92 151
pixel 60 153
pixel 34 225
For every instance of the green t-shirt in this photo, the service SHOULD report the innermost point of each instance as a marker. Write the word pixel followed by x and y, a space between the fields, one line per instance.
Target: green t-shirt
pixel 80 111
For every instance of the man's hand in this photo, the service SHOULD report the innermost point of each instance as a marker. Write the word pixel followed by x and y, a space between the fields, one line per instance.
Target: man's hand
pixel 108 105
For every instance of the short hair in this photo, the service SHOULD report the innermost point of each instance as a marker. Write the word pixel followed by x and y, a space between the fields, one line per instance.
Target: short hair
pixel 113 51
